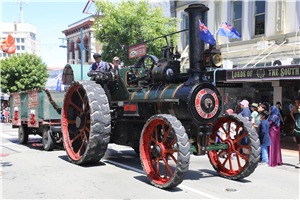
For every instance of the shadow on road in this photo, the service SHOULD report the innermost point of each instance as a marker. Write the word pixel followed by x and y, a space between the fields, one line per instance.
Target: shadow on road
pixel 65 158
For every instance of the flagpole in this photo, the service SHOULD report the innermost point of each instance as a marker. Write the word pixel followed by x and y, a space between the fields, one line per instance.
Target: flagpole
pixel 217 31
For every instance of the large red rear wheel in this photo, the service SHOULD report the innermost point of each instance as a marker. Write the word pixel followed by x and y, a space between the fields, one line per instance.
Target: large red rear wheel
pixel 164 151
pixel 243 153
pixel 85 122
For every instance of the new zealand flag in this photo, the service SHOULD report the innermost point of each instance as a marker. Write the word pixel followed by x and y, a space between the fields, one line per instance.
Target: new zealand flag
pixel 228 31
pixel 205 35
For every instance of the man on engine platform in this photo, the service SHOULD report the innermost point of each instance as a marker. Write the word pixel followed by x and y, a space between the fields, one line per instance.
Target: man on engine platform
pixel 99 65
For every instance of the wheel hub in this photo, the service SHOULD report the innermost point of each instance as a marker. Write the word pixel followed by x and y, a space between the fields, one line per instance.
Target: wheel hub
pixel 230 145
pixel 157 151
pixel 80 121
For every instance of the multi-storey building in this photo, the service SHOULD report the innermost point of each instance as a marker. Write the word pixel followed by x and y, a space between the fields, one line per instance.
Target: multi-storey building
pixel 73 34
pixel 261 66
pixel 25 38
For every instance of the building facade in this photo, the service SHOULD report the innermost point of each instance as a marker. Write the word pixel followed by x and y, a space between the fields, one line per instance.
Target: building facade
pixel 73 34
pixel 261 66
pixel 25 38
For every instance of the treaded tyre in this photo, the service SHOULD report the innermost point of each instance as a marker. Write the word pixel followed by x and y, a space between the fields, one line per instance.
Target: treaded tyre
pixel 247 154
pixel 48 143
pixel 85 122
pixel 23 134
pixel 164 151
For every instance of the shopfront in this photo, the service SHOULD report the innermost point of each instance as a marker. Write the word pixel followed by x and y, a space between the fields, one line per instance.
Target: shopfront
pixel 268 84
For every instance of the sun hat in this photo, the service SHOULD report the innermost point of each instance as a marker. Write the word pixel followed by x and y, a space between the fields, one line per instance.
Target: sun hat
pixel 116 58
pixel 297 99
pixel 245 103
pixel 254 105
pixel 229 111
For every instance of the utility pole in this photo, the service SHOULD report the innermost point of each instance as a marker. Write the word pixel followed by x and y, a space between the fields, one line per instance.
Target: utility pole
pixel 21 10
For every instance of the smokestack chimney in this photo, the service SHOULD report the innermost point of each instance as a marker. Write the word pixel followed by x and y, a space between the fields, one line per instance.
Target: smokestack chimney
pixel 196 12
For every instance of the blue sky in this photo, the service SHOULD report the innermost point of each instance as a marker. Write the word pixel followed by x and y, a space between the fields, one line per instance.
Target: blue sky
pixel 50 17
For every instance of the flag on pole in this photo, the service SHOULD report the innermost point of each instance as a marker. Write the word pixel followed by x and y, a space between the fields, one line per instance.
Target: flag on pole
pixel 58 85
pixel 205 35
pixel 227 30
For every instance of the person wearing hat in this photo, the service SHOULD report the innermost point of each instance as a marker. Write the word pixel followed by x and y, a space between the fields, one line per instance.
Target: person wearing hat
pixel 245 112
pixel 116 63
pixel 255 116
pixel 99 65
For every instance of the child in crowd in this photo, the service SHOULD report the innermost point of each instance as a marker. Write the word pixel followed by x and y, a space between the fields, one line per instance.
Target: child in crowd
pixel 255 117
pixel 264 137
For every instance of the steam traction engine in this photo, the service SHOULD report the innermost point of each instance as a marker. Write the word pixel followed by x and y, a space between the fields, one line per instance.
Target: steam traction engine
pixel 164 115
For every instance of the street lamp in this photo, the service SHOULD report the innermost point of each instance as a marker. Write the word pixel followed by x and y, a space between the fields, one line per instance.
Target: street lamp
pixel 81 46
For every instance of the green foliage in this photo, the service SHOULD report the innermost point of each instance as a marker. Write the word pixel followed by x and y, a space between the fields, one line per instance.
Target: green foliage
pixel 131 22
pixel 22 72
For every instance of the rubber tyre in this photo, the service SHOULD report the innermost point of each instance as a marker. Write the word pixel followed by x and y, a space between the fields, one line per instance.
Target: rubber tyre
pixel 48 143
pixel 23 134
pixel 180 145
pixel 250 161
pixel 91 146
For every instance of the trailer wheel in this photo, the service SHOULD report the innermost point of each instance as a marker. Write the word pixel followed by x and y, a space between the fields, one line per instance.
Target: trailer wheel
pixel 23 134
pixel 85 122
pixel 243 153
pixel 48 143
pixel 164 151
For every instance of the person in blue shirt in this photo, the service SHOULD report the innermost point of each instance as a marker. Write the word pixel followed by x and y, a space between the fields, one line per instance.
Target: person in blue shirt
pixel 247 114
pixel 246 111
pixel 264 137
pixel 99 65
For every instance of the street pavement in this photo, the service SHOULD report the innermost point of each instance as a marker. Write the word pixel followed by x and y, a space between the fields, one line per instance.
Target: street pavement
pixel 29 172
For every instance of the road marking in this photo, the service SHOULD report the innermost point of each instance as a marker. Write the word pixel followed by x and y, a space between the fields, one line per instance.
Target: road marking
pixel 180 186
pixel 5 135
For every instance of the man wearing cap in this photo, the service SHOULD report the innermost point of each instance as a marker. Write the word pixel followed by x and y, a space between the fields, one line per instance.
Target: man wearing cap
pixel 99 65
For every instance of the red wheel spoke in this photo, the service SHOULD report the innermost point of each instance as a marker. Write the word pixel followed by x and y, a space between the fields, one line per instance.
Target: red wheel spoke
pixel 226 132
pixel 220 153
pixel 167 166
pixel 238 161
pixel 88 121
pixel 242 136
pixel 166 135
pixel 80 96
pixel 156 136
pixel 153 140
pixel 241 155
pixel 88 112
pixel 244 146
pixel 173 142
pixel 71 121
pixel 220 138
pixel 77 136
pixel 157 166
pixel 225 161
pixel 81 147
pixel 87 129
pixel 171 151
pixel 154 161
pixel 173 158
pixel 230 162
pixel 75 106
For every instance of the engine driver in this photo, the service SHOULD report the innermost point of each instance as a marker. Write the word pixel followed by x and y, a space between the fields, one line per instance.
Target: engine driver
pixel 99 65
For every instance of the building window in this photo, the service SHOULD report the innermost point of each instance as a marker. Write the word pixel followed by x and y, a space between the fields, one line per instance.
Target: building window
pixel 4 54
pixel 18 47
pixel 279 15
pixel 22 40
pixel 73 50
pixel 18 40
pixel 186 33
pixel 259 17
pixel 23 47
pixel 237 13
pixel 86 52
pixel 0 55
pixel 79 54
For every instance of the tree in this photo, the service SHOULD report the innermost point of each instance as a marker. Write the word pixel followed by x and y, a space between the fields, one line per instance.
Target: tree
pixel 23 72
pixel 131 22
